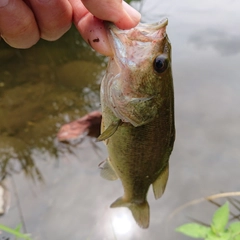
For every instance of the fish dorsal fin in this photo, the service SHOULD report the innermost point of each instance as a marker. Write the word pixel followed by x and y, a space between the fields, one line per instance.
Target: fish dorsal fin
pixel 140 211
pixel 112 128
pixel 160 183
pixel 107 170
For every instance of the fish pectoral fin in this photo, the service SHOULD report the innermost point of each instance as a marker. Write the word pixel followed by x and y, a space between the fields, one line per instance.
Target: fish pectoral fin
pixel 112 128
pixel 160 183
pixel 140 211
pixel 107 171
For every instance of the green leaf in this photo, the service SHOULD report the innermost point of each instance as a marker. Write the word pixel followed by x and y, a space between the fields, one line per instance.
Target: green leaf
pixel 225 236
pixel 234 228
pixel 221 236
pixel 212 237
pixel 14 232
pixel 236 237
pixel 194 230
pixel 18 229
pixel 220 218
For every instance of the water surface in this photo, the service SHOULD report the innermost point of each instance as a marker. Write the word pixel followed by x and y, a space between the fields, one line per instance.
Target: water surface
pixel 58 192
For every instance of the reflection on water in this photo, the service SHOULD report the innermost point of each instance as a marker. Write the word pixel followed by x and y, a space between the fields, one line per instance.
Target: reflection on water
pixel 40 89
pixel 121 223
pixel 225 44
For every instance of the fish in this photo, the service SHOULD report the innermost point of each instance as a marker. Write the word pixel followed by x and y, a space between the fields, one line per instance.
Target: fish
pixel 137 101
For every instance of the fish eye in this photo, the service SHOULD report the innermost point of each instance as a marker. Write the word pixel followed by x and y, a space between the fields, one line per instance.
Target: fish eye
pixel 160 63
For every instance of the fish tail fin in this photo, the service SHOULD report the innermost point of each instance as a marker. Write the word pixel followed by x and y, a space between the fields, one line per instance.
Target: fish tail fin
pixel 140 211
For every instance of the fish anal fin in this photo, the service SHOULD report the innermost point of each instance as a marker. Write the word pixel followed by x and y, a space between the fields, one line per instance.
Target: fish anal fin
pixel 107 171
pixel 160 183
pixel 111 129
pixel 140 211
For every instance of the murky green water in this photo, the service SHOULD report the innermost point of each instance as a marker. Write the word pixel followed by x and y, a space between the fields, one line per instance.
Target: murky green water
pixel 41 89
pixel 53 83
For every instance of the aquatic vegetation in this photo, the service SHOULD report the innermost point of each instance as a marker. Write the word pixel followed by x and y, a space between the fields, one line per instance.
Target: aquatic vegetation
pixel 219 229
pixel 15 232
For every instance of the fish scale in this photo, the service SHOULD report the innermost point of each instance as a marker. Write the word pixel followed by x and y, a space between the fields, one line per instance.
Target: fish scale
pixel 138 114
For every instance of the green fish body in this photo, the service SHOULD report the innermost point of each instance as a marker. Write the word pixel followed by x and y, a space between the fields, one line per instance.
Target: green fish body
pixel 138 114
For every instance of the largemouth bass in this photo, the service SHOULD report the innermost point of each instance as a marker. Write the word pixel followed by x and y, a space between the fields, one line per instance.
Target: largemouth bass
pixel 138 114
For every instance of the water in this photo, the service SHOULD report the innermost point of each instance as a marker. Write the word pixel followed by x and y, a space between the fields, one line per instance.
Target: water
pixel 58 192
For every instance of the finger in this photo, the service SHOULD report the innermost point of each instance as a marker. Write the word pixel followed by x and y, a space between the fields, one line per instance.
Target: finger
pixel 116 11
pixel 94 33
pixel 54 17
pixel 91 28
pixel 17 24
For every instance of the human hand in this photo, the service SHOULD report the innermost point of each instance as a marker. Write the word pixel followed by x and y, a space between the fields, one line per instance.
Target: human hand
pixel 23 23
pixel 92 28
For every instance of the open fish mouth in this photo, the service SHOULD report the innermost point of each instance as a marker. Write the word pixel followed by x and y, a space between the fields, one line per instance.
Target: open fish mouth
pixel 147 30
pixel 144 28
pixel 137 43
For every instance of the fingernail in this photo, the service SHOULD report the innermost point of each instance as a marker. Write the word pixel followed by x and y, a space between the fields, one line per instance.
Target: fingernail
pixel 3 3
pixel 133 13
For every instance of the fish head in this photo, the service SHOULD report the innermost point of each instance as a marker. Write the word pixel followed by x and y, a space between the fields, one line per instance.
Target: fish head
pixel 139 72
